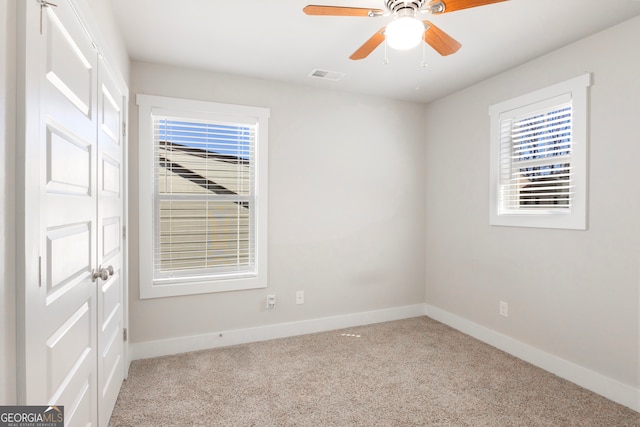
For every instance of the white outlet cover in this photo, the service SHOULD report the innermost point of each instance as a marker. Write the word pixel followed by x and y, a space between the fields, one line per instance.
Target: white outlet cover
pixel 504 309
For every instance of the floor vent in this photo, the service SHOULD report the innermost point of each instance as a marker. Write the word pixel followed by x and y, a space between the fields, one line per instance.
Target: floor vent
pixel 326 75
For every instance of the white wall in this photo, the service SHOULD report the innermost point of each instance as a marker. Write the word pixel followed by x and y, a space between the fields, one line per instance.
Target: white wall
pixel 7 203
pixel 346 206
pixel 572 294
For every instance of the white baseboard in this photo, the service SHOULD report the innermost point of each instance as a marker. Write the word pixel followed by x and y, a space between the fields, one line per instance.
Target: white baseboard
pixel 598 383
pixel 148 349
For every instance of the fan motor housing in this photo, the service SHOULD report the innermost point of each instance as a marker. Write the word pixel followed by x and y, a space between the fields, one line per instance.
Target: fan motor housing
pixel 396 6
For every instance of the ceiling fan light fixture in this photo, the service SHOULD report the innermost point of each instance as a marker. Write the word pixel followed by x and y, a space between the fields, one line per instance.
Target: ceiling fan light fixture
pixel 404 32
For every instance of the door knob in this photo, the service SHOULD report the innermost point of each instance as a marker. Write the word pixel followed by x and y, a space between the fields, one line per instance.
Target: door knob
pixel 102 273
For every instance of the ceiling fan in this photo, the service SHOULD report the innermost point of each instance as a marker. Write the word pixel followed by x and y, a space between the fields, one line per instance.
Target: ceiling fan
pixel 406 30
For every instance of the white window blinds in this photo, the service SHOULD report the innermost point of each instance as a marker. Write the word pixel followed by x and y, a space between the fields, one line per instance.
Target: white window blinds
pixel 204 198
pixel 536 160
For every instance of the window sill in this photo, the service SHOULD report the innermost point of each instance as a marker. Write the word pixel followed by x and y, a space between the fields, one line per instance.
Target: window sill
pixel 161 289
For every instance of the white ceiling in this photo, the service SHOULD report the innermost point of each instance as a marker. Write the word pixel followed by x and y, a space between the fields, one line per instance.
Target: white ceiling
pixel 275 40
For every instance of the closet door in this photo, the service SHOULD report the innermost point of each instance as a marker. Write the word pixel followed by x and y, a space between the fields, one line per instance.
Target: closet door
pixel 110 238
pixel 62 339
pixel 73 316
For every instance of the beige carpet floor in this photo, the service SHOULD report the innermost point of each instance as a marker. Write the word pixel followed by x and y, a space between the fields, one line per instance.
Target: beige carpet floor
pixel 414 372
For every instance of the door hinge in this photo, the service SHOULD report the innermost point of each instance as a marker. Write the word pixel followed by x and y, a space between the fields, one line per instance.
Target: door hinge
pixel 124 129
pixel 124 231
pixel 124 334
pixel 39 271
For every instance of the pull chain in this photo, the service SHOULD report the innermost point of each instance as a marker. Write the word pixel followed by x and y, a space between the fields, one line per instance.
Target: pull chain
pixel 423 64
pixel 386 59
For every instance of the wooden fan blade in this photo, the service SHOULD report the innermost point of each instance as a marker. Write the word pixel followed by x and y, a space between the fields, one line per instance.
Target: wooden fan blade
pixel 442 42
pixel 453 5
pixel 341 11
pixel 369 45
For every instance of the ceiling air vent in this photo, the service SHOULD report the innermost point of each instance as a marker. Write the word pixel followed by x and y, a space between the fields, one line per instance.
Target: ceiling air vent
pixel 326 75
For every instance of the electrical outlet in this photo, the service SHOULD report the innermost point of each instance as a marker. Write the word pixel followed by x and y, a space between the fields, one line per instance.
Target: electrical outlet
pixel 300 297
pixel 271 301
pixel 504 309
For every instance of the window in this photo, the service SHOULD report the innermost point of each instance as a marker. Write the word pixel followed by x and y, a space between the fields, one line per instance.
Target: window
pixel 538 158
pixel 203 206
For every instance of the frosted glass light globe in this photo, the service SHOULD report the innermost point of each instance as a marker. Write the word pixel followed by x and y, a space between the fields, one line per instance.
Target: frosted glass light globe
pixel 404 33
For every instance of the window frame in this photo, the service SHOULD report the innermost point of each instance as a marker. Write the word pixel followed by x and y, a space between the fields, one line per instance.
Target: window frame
pixel 150 105
pixel 576 89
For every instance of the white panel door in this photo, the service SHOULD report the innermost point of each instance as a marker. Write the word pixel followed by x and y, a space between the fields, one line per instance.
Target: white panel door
pixel 66 338
pixel 110 253
pixel 73 318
